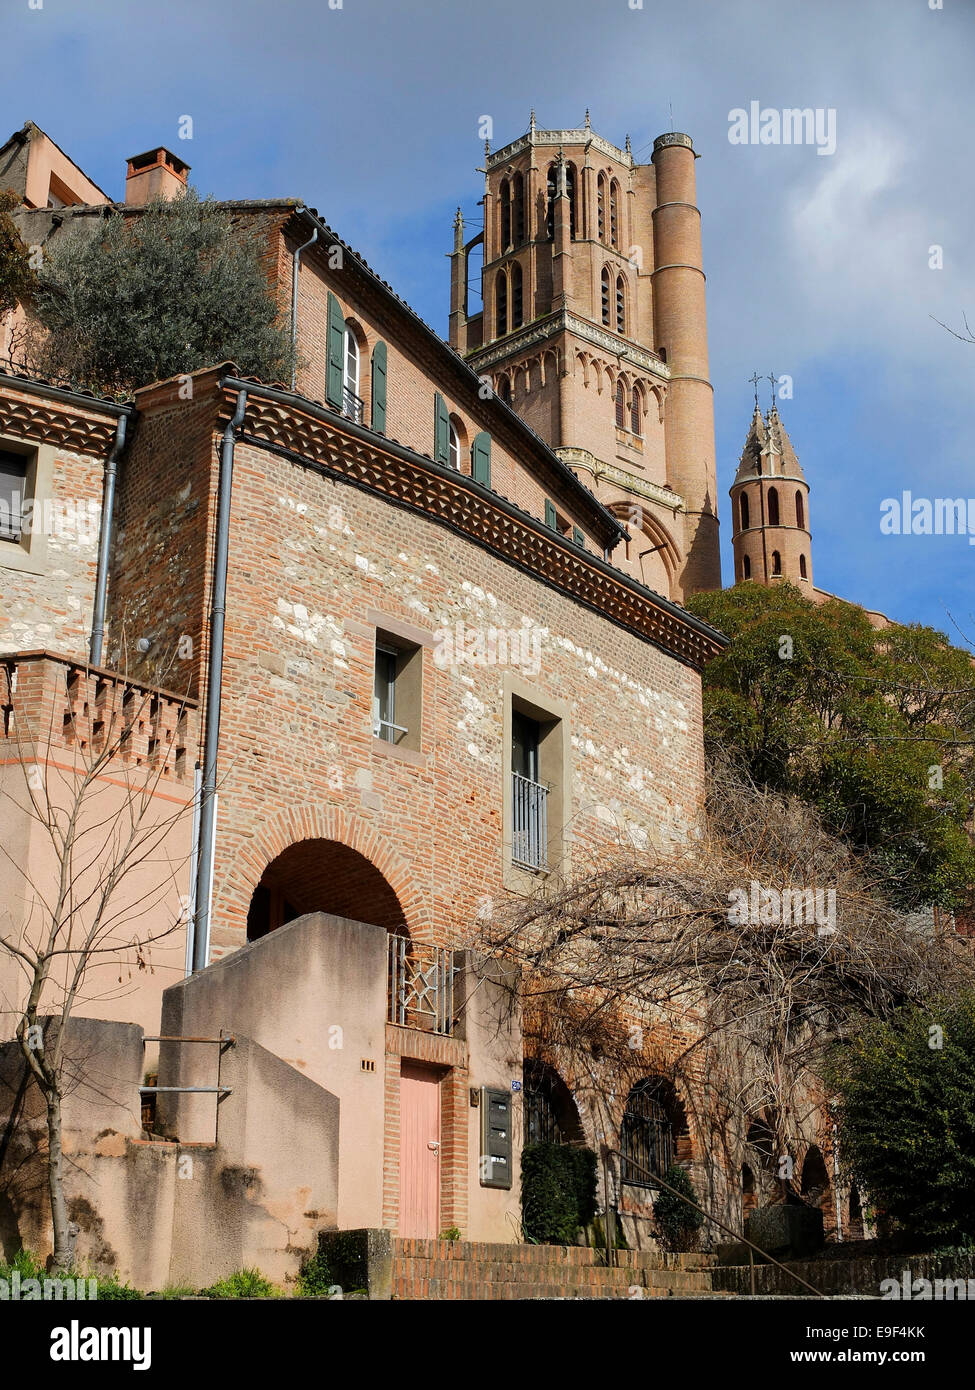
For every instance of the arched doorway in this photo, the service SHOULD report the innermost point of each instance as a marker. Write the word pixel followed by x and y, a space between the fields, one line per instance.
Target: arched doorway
pixel 549 1109
pixel 322 876
pixel 815 1187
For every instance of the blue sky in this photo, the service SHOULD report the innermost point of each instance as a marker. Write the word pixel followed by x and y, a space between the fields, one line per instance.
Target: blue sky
pixel 818 266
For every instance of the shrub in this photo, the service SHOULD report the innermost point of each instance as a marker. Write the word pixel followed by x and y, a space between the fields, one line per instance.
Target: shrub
pixel 315 1278
pixel 677 1223
pixel 906 1117
pixel 243 1283
pixel 558 1192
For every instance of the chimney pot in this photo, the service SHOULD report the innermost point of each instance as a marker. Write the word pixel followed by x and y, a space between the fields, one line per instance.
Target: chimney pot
pixel 158 173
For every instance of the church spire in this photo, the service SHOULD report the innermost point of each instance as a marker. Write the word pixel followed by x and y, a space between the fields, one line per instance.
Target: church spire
pixel 770 506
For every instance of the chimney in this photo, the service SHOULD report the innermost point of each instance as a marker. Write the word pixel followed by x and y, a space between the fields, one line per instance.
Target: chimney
pixel 156 174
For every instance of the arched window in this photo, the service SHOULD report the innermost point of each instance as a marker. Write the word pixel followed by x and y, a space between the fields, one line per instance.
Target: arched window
pixel 776 562
pixel 570 188
pixel 605 295
pixel 550 191
pixel 614 213
pixel 635 411
pixel 620 406
pixel 516 297
pixel 800 512
pixel 550 1114
pixel 352 403
pixel 501 304
pixel 601 206
pixel 504 390
pixel 743 511
pixel 518 208
pixel 773 506
pixel 620 304
pixel 802 567
pixel 746 568
pixel 504 197
pixel 647 1144
pixel 454 443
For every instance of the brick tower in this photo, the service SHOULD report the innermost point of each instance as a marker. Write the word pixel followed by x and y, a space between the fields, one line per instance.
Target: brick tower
pixel 770 508
pixel 593 328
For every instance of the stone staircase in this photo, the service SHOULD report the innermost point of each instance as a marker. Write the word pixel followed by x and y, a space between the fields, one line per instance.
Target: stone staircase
pixel 460 1269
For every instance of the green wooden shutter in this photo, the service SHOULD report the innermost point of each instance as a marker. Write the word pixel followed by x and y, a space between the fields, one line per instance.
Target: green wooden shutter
pixel 336 352
pixel 379 387
pixel 550 515
pixel 578 536
pixel 441 430
pixel 481 458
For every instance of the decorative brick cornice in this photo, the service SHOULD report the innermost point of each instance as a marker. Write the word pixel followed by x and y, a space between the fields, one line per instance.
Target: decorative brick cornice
pixel 27 414
pixel 311 434
pixel 582 458
pixel 562 321
pixel 557 138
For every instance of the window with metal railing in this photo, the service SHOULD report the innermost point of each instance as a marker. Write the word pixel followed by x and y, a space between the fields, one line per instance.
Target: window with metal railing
pixel 529 795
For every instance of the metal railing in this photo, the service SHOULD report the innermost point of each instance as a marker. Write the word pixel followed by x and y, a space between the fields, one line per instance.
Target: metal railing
pixel 352 405
pixel 421 986
pixel 529 822
pixel 709 1216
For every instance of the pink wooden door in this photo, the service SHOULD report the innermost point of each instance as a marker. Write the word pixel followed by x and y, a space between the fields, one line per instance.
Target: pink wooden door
pixel 419 1161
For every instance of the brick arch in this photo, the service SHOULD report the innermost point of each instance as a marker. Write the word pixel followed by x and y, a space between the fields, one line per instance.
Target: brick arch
pixel 652 527
pixel 329 823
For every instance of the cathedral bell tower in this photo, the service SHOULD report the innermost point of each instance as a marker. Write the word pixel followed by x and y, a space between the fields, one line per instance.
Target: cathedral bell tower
pixel 770 508
pixel 593 328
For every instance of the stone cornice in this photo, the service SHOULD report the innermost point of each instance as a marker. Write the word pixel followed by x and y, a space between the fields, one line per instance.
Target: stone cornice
pixel 315 435
pixel 80 427
pixel 582 458
pixel 562 321
pixel 556 138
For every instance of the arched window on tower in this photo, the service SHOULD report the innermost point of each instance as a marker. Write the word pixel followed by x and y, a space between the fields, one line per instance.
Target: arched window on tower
pixel 614 213
pixel 636 411
pixel 504 199
pixel 620 304
pixel 620 406
pixel 570 188
pixel 776 562
pixel 800 512
pixel 606 291
pixel 516 296
pixel 518 208
pixel 773 506
pixel 550 189
pixel 744 511
pixel 501 304
pixel 504 390
pixel 802 567
pixel 601 206
pixel 746 568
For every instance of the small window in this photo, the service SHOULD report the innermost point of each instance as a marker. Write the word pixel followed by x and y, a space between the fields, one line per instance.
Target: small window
pixel 601 206
pixel 614 213
pixel 802 567
pixel 501 303
pixel 620 406
pixel 776 562
pixel 605 296
pixel 13 492
pixel 620 304
pixel 550 191
pixel 504 390
pixel 773 506
pixel 397 691
pixel 635 412
pixel 744 511
pixel 800 512
pixel 746 568
pixel 351 402
pixel 505 200
pixel 518 195
pixel 516 298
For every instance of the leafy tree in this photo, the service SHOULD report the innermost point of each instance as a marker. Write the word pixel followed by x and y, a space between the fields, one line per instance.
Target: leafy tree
pixel 677 1222
pixel 906 1117
pixel 876 730
pixel 16 276
pixel 155 294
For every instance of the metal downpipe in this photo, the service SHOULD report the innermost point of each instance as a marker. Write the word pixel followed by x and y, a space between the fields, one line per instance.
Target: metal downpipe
pixel 104 545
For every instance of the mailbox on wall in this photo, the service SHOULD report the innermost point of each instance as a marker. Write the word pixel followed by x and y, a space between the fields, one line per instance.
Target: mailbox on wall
pixel 495 1137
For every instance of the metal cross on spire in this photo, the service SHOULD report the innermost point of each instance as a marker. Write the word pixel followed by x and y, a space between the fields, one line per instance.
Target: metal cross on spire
pixel 755 379
pixel 774 380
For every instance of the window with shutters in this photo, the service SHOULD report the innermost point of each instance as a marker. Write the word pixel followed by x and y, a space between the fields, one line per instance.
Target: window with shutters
pixel 620 406
pixel 606 281
pixel 481 458
pixel 379 357
pixel 458 437
pixel 397 691
pixel 614 213
pixel 536 779
pixel 551 188
pixel 441 429
pixel 620 304
pixel 601 206
pixel 636 411
pixel 555 519
pixel 13 494
pixel 570 188
pixel 351 399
